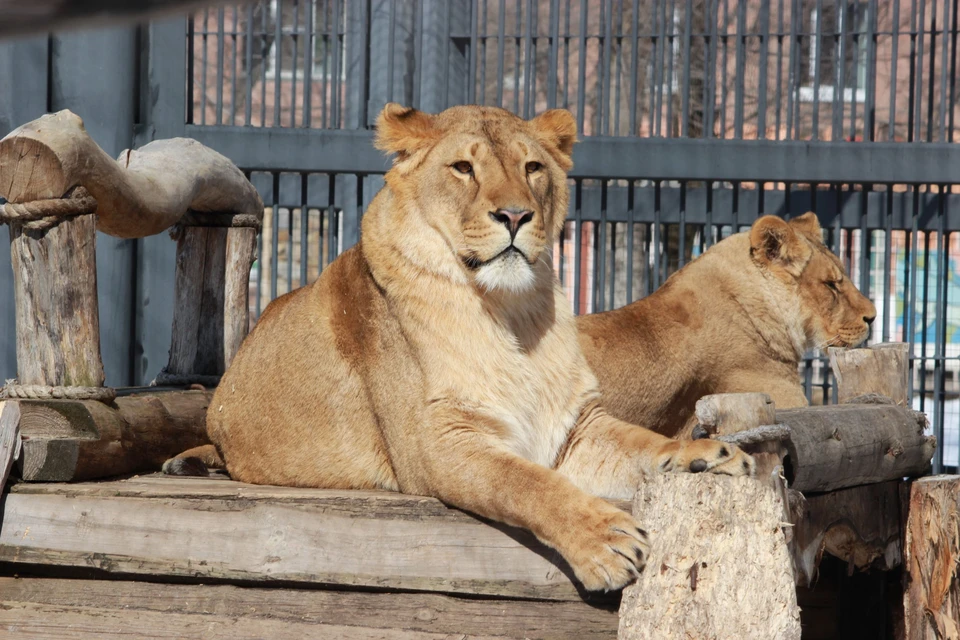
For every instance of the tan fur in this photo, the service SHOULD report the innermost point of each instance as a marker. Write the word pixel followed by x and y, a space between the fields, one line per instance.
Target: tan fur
pixel 738 318
pixel 397 370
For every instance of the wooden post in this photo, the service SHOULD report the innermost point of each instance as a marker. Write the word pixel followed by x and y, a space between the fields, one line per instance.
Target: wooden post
pixel 211 317
pixel 882 369
pixel 54 272
pixel 931 549
pixel 719 565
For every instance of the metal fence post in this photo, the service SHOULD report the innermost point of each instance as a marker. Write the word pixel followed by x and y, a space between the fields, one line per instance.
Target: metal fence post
pixel 444 54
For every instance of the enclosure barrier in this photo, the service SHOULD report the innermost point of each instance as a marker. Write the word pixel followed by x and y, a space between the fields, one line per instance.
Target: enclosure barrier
pixel 60 189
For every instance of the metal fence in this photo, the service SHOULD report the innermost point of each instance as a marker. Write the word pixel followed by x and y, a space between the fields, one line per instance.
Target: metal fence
pixel 696 117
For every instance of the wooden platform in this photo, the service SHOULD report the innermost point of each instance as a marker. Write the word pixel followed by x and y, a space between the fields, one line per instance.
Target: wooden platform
pixel 214 558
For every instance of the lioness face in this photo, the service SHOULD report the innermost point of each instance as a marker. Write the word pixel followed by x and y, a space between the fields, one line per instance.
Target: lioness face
pixel 833 311
pixel 491 184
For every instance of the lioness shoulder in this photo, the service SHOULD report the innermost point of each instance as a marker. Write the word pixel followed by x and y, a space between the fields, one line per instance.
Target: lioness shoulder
pixel 739 318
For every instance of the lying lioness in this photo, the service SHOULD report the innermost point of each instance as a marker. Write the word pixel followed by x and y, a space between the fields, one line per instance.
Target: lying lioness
pixel 738 318
pixel 439 356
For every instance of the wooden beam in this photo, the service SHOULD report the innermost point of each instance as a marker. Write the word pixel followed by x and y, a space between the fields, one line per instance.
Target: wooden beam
pixel 9 438
pixel 931 549
pixel 719 566
pixel 209 530
pixel 68 440
pixel 108 609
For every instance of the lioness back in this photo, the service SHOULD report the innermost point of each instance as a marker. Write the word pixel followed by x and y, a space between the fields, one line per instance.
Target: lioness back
pixel 737 319
pixel 312 338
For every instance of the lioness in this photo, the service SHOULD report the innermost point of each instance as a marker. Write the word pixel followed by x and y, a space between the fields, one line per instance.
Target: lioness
pixel 738 318
pixel 439 356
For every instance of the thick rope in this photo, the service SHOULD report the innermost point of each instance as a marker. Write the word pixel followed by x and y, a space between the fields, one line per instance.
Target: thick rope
pixel 165 379
pixel 204 219
pixel 45 214
pixel 43 392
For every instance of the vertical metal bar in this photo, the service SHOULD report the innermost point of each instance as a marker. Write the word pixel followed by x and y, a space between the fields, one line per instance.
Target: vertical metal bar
pixel 918 72
pixel 274 249
pixel 660 64
pixel 333 223
pixel 304 227
pixel 670 37
pixel 264 53
pixel 708 227
pixel 764 53
pixel 606 23
pixel 516 56
pixel 945 52
pixel 931 79
pixel 277 64
pixel 577 260
pixel 566 58
pixel 248 103
pixel 818 54
pixel 953 71
pixel 724 39
pixel 634 70
pixel 336 63
pixel 793 74
pixel 910 308
pixel 203 69
pixel 741 53
pixel 656 234
pixel 655 66
pixel 600 238
pixel 191 80
pixel 894 45
pixel 501 36
pixel 529 98
pixel 234 72
pixel 940 320
pixel 889 262
pixel 220 78
pixel 682 240
pixel 779 72
pixel 309 65
pixel 685 96
pixel 582 75
pixel 710 84
pixel 631 226
pixel 553 52
pixel 619 72
pixel 870 108
pixel 839 69
pixel 295 37
pixel 474 48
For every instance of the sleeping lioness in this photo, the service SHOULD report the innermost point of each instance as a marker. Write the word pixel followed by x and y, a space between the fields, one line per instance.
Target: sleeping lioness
pixel 439 356
pixel 738 318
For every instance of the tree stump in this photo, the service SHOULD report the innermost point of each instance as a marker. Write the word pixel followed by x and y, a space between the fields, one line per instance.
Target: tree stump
pixel 882 369
pixel 719 566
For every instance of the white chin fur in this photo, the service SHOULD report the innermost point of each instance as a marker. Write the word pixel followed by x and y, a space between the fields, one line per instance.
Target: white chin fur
pixel 510 273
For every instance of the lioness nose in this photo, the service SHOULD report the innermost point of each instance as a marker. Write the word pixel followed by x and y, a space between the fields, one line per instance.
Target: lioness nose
pixel 512 219
pixel 869 319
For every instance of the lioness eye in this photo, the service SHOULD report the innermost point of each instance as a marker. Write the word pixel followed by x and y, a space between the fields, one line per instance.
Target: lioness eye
pixel 832 284
pixel 463 167
pixel 533 167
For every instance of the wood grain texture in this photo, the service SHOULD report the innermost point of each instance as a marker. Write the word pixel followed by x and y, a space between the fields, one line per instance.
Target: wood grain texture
pixel 141 193
pixel 932 559
pixel 68 440
pixel 835 447
pixel 249 612
pixel 241 251
pixel 859 525
pixel 726 413
pixel 9 438
pixel 883 369
pixel 210 530
pixel 722 571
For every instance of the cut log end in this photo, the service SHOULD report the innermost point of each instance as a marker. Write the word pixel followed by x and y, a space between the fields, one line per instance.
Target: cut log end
pixel 719 565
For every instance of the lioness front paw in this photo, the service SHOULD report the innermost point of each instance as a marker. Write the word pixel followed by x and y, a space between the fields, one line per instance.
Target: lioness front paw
pixel 697 456
pixel 609 550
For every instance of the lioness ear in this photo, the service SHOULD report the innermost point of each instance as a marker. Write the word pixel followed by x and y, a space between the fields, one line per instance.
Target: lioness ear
pixel 404 130
pixel 773 242
pixel 808 225
pixel 557 130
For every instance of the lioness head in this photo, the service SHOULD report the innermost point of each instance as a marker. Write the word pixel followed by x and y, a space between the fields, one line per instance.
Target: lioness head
pixel 833 311
pixel 492 185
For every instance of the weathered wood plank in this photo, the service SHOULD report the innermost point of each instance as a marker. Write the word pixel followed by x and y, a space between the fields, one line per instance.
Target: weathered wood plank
pixel 931 599
pixel 339 538
pixel 241 252
pixel 246 610
pixel 9 438
pixel 882 369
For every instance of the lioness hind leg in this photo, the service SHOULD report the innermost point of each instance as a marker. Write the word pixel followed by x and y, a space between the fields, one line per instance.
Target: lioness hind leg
pixel 194 462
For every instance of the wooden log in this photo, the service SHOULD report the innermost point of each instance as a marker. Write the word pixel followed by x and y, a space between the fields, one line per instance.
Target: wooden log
pixel 107 609
pixel 882 369
pixel 859 525
pixel 207 530
pixel 241 252
pixel 9 439
pixel 66 440
pixel 141 193
pixel 931 549
pixel 726 413
pixel 54 274
pixel 840 446
pixel 722 570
